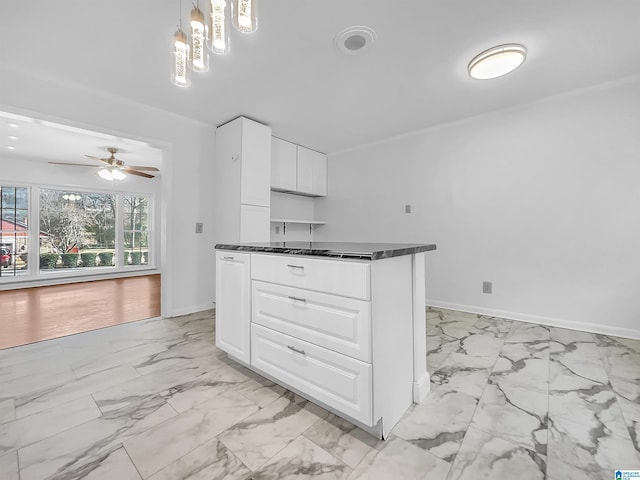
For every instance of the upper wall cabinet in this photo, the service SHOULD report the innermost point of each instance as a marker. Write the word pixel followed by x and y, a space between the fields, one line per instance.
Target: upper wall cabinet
pixel 283 165
pixel 296 169
pixel 312 172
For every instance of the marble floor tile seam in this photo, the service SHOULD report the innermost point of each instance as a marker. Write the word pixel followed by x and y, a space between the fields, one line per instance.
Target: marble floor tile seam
pixel 57 432
pixel 553 420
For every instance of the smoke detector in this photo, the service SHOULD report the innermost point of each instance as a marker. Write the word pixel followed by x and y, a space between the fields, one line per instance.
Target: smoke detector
pixel 354 40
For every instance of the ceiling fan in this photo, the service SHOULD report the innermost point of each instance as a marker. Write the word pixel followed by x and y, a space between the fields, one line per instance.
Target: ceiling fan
pixel 114 168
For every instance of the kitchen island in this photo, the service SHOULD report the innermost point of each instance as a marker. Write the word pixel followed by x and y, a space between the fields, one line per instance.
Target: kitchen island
pixel 342 324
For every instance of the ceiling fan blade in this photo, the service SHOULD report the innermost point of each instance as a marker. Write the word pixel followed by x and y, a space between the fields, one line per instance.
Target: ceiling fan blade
pixel 144 169
pixel 136 172
pixel 96 158
pixel 76 164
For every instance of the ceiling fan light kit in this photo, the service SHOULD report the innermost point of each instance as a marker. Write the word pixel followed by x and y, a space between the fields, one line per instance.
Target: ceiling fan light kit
pixel 497 61
pixel 111 174
pixel 115 169
pixel 210 35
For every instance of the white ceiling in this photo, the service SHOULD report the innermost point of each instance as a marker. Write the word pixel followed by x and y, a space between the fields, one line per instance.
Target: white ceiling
pixel 289 75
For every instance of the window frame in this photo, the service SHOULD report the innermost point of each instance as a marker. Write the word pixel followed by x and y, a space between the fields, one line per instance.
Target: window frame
pixel 35 275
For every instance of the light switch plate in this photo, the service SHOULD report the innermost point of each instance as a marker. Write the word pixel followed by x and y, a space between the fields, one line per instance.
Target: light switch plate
pixel 199 227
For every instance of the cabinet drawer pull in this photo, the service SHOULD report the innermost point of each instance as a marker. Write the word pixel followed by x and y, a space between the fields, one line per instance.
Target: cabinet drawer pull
pixel 296 350
pixel 298 299
pixel 295 266
pixel 227 258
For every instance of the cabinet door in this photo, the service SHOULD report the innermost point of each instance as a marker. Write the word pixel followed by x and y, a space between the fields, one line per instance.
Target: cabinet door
pixel 312 172
pixel 319 174
pixel 283 165
pixel 233 303
pixel 305 170
pixel 255 187
pixel 254 224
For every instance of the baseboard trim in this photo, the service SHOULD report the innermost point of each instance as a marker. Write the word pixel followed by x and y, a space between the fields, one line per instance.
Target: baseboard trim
pixel 192 309
pixel 540 320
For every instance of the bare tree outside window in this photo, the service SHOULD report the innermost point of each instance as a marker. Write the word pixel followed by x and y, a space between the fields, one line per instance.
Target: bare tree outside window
pixel 136 230
pixel 77 229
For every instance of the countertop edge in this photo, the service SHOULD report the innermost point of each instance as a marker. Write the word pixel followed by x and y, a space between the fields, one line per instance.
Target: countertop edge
pixel 330 253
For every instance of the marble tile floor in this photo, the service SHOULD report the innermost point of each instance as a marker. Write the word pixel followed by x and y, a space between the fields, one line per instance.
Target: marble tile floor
pixel 155 399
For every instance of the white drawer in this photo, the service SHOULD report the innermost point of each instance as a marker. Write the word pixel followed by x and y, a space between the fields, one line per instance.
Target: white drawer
pixel 329 377
pixel 350 279
pixel 338 323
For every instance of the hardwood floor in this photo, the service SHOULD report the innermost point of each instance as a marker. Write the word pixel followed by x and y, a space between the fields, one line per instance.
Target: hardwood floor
pixel 40 313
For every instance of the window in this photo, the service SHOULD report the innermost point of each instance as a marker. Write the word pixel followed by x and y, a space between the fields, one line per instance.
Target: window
pixel 77 229
pixel 136 230
pixel 14 232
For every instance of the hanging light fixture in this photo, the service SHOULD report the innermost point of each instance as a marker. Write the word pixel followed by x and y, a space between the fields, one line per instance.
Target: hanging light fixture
pixel 199 59
pixel 213 35
pixel 245 15
pixel 219 28
pixel 180 73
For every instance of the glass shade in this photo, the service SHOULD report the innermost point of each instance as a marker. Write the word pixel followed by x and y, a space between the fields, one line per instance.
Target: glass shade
pixel 180 73
pixel 219 28
pixel 245 15
pixel 199 59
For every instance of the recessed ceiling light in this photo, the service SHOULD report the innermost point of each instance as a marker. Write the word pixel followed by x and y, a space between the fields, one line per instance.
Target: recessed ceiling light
pixel 497 61
pixel 10 147
pixel 11 124
pixel 12 137
pixel 354 40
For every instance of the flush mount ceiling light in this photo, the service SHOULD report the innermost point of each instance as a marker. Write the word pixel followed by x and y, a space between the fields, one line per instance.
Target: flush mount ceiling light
pixel 354 40
pixel 497 61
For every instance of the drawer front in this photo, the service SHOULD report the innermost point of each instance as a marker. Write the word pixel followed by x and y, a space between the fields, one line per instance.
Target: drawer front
pixel 337 323
pixel 337 380
pixel 349 279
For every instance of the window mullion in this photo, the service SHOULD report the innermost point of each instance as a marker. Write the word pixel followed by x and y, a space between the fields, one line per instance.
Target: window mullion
pixel 120 253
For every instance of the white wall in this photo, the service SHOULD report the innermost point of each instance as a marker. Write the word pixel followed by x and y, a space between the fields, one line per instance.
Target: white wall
pixel 542 200
pixel 187 259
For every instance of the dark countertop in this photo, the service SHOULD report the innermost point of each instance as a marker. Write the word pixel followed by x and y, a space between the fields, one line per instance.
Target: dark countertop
pixel 352 250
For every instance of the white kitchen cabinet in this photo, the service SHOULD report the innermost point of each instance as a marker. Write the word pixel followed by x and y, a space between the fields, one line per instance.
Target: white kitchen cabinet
pixel 233 304
pixel 283 165
pixel 311 172
pixel 254 221
pixel 242 179
pixel 297 169
pixel 319 174
pixel 337 331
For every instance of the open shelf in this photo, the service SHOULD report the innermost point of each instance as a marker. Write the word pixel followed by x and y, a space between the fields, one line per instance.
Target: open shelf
pixel 304 222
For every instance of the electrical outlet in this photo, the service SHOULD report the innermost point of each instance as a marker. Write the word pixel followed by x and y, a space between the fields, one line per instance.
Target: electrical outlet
pixel 487 287
pixel 199 227
pixel 407 209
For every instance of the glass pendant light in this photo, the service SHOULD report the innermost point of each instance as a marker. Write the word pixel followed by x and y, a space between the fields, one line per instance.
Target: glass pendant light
pixel 245 15
pixel 219 28
pixel 180 74
pixel 199 59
